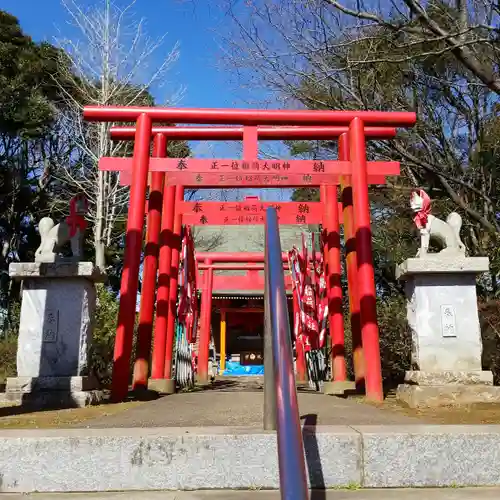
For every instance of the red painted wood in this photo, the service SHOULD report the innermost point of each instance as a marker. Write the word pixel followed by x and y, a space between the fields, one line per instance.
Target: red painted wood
pixel 250 143
pixel 131 262
pixel 231 116
pixel 366 273
pixel 336 318
pixel 126 133
pixel 150 267
pixel 206 319
pixel 243 284
pixel 217 266
pixel 173 292
pixel 243 168
pixel 211 181
pixel 243 310
pixel 351 267
pixel 167 241
pixel 248 213
pixel 238 256
pixel 359 171
pixel 262 178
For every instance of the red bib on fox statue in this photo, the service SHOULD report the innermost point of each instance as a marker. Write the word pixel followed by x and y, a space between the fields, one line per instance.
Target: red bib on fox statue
pixel 78 207
pixel 421 198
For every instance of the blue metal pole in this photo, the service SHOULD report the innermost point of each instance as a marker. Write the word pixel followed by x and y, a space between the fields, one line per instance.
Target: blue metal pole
pixel 292 467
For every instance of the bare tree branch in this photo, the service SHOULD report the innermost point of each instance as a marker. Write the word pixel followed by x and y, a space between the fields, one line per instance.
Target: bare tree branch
pixel 111 63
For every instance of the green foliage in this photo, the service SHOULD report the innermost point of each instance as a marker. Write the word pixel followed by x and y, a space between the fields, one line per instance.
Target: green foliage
pixel 305 194
pixel 104 334
pixel 8 344
pixel 28 99
pixel 489 315
pixel 8 350
pixel 27 90
pixel 395 339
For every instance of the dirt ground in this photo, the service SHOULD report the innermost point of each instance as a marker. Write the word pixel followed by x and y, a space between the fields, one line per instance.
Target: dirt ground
pixel 472 414
pixel 15 417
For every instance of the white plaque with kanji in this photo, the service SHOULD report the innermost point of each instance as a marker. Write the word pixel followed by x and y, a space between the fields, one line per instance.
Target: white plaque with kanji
pixel 448 323
pixel 51 325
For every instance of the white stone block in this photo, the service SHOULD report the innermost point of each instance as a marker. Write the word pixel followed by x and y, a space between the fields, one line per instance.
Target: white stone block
pixel 446 335
pixel 442 313
pixel 436 264
pixel 55 328
pixel 443 317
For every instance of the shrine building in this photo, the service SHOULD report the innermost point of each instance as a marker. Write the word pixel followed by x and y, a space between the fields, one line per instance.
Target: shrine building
pixel 237 319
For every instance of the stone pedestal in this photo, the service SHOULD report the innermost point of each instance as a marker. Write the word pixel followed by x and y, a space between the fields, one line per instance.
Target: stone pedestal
pixel 162 385
pixel 446 337
pixel 55 335
pixel 339 388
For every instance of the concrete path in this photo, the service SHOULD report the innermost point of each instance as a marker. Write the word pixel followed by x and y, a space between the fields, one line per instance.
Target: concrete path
pixel 219 408
pixel 394 494
pixel 238 402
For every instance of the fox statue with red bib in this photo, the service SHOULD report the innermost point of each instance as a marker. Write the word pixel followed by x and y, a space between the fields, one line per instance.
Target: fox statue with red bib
pixel 445 234
pixel 55 236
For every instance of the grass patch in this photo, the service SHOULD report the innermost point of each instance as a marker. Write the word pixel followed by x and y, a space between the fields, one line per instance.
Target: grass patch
pixel 15 417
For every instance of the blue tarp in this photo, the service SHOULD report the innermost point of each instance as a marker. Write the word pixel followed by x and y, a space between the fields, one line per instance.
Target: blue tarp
pixel 233 368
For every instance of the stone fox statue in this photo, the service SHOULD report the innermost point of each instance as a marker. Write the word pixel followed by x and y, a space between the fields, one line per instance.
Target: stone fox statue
pixel 446 234
pixel 55 236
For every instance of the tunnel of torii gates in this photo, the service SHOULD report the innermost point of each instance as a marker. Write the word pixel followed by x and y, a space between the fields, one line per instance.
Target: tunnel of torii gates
pixel 167 210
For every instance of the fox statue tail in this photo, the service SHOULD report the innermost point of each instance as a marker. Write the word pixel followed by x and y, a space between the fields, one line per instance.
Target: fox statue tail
pixel 454 220
pixel 45 226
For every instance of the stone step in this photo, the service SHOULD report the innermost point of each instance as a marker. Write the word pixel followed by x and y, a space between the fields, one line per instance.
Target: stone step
pixel 84 460
pixel 361 494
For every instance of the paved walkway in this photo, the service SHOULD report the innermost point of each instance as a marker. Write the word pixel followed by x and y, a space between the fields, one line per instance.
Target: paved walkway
pixel 241 404
pixel 385 494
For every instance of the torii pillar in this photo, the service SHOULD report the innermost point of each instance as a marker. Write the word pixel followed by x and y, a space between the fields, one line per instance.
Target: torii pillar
pixel 364 255
pixel 352 268
pixel 131 260
pixel 150 266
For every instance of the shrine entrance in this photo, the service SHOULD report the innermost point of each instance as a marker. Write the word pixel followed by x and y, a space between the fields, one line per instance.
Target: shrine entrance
pixel 239 340
pixel 169 177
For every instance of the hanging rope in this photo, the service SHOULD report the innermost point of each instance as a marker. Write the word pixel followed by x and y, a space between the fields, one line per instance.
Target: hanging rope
pixel 184 374
pixel 187 316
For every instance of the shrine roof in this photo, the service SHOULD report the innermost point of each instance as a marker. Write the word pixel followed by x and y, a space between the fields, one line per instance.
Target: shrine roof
pixel 245 238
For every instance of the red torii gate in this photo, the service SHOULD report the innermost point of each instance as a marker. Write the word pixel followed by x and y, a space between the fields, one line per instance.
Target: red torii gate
pixel 315 178
pixel 201 213
pixel 250 119
pixel 161 370
pixel 230 212
pixel 251 280
pixel 336 316
pixel 339 367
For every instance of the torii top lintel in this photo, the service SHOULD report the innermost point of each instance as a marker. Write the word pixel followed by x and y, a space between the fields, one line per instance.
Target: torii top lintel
pixel 248 116
pixel 325 132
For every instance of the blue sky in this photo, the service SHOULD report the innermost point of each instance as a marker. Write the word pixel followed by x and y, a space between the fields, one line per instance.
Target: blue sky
pixel 195 24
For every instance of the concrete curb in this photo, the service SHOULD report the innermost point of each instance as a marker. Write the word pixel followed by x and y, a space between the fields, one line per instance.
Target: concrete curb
pixel 64 460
